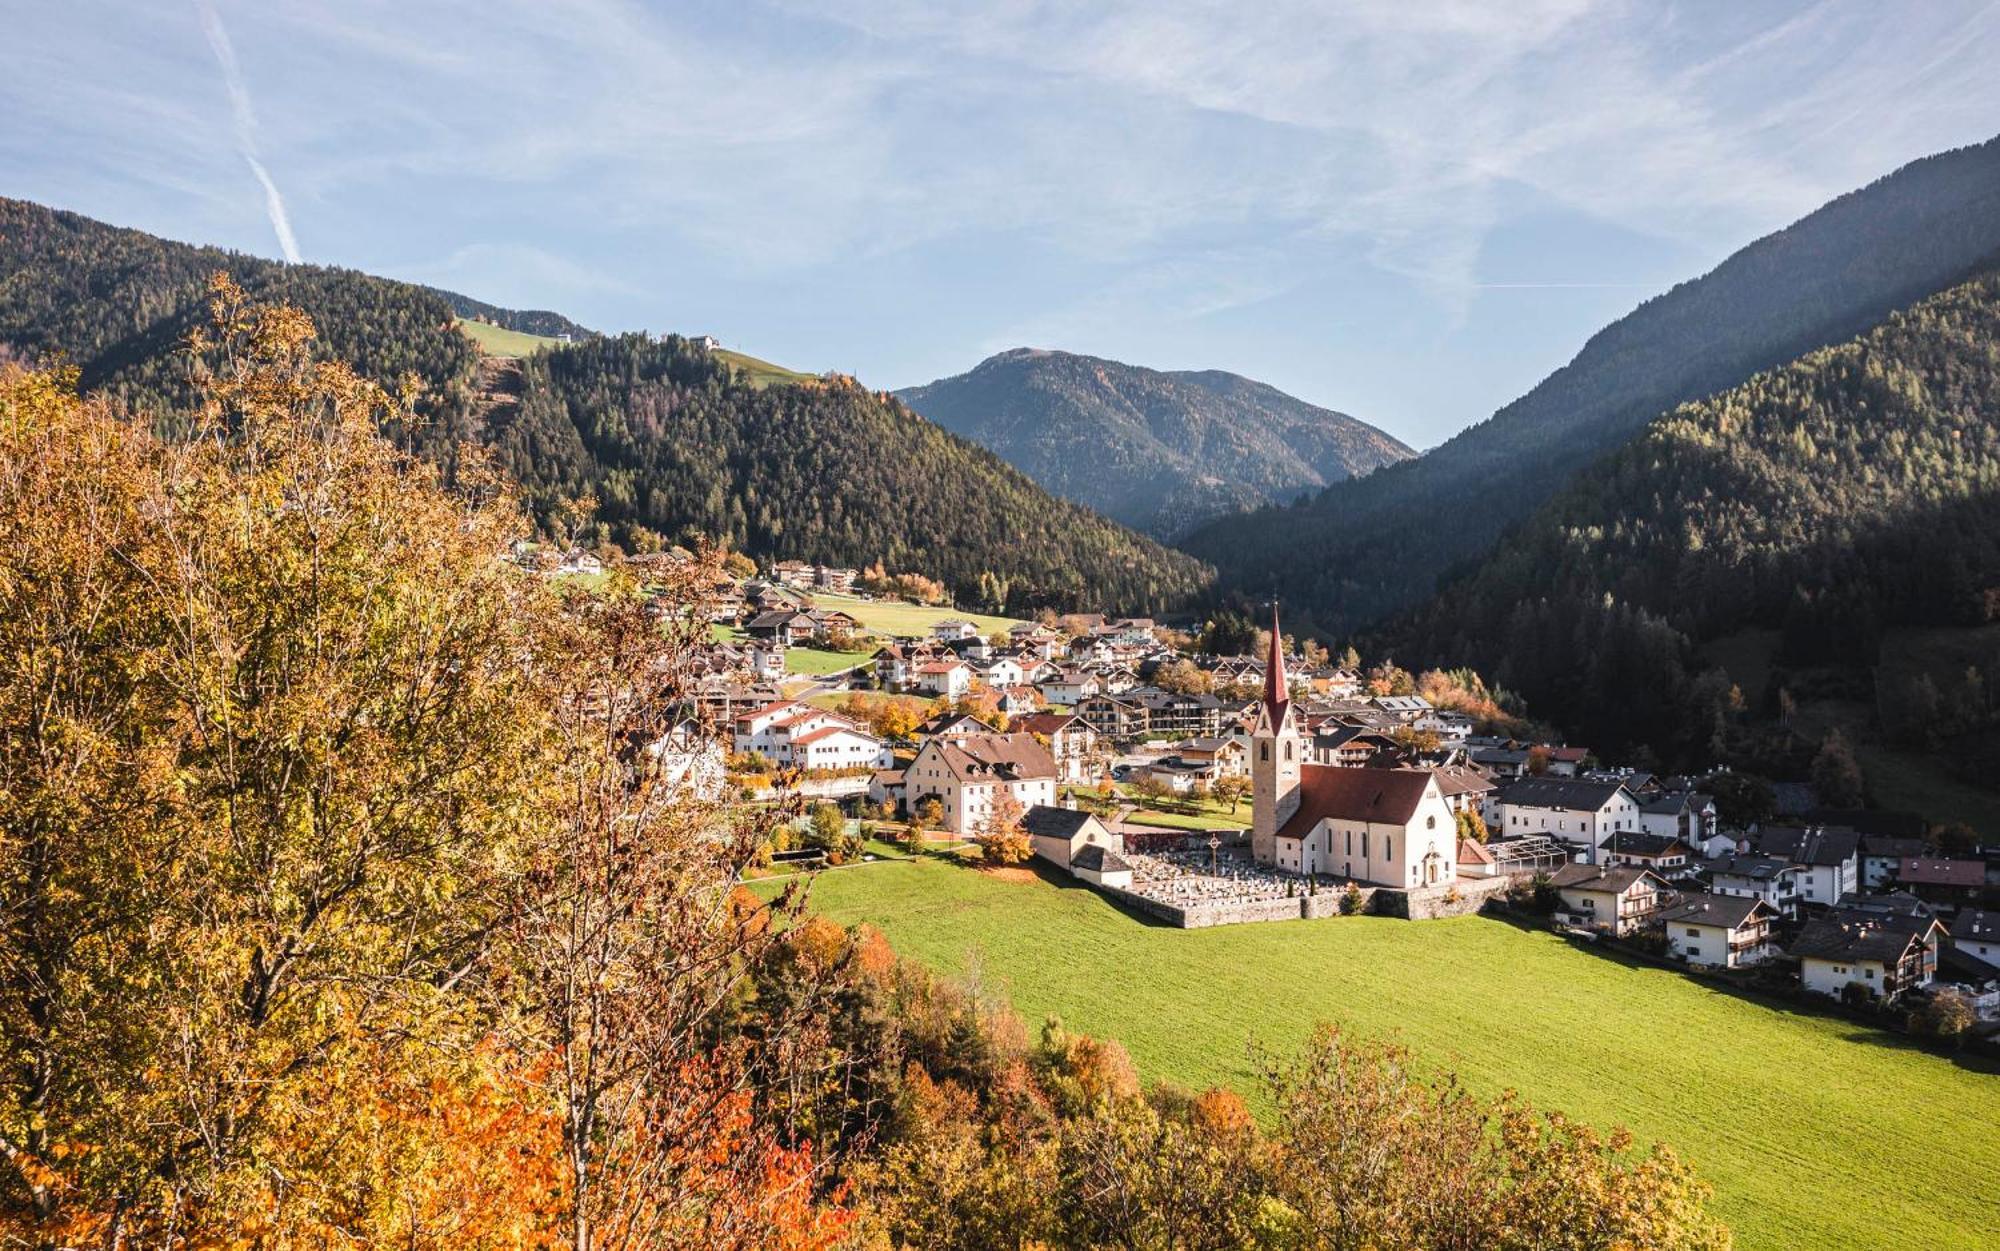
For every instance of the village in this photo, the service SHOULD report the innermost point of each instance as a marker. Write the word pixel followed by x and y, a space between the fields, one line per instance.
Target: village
pixel 1202 790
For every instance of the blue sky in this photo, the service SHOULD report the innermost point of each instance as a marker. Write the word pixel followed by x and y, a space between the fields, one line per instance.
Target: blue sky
pixel 1410 211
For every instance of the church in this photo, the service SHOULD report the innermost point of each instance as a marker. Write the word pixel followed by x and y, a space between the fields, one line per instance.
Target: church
pixel 1378 827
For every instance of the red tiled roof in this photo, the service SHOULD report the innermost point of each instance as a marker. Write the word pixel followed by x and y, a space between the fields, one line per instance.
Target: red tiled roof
pixel 1923 872
pixel 1389 796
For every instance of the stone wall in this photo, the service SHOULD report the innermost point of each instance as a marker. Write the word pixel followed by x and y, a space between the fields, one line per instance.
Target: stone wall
pixel 1425 904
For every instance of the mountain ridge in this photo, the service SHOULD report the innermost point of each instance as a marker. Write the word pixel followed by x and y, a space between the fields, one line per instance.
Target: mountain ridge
pixel 1832 274
pixel 1159 450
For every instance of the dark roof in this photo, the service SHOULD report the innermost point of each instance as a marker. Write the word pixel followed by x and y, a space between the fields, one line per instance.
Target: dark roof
pixel 1328 792
pixel 1924 872
pixel 1897 901
pixel 1892 846
pixel 1838 936
pixel 1807 844
pixel 1639 843
pixel 1597 877
pixel 1048 722
pixel 1050 822
pixel 1574 794
pixel 1672 803
pixel 1728 911
pixel 1976 925
pixel 1756 868
pixel 1461 779
pixel 1098 858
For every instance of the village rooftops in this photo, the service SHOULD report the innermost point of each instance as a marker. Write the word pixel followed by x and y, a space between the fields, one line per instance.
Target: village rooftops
pixel 1461 780
pixel 1895 901
pixel 1332 793
pixel 1049 723
pixel 1672 803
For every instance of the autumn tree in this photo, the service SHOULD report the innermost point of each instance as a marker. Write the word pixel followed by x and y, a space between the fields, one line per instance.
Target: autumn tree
pixel 1836 774
pixel 999 835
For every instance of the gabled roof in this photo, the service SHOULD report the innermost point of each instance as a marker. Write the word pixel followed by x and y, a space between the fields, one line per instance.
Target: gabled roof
pixel 1332 793
pixel 1891 846
pixel 1570 794
pixel 1051 822
pixel 1673 803
pixel 1049 722
pixel 1614 880
pixel 1808 844
pixel 1461 780
pixel 1727 911
pixel 994 757
pixel 1833 937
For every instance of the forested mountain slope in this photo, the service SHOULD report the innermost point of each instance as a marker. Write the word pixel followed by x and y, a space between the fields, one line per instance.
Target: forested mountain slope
pixel 668 438
pixel 672 439
pixel 1364 549
pixel 1848 495
pixel 1159 451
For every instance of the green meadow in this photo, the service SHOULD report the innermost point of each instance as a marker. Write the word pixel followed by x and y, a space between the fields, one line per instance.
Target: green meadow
pixel 1815 1131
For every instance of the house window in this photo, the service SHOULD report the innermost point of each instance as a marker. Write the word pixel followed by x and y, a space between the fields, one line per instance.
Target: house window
pixel 1694 933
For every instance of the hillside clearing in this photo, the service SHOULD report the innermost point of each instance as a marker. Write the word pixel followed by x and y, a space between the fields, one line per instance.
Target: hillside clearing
pixel 500 341
pixel 1788 1113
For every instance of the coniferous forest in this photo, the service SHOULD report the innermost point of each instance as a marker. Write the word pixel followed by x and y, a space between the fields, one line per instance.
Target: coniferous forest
pixel 1843 496
pixel 674 444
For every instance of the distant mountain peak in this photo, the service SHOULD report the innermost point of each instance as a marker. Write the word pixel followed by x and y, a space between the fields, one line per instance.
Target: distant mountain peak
pixel 1161 451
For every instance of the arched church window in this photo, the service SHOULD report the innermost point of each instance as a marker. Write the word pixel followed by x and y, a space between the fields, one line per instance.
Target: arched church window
pixel 1263 751
pixel 1430 823
pixel 1288 751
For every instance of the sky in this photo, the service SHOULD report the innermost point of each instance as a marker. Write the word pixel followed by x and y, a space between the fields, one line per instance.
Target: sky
pixel 1407 211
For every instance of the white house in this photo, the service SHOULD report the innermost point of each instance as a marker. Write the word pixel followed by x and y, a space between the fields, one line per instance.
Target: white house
pixel 1772 879
pixel 1388 827
pixel 967 775
pixel 1572 811
pixel 1830 859
pixel 1071 687
pixel 799 735
pixel 1072 743
pixel 1615 901
pixel 951 629
pixel 1884 953
pixel 1723 931
pixel 949 678
pixel 1687 815
pixel 1003 671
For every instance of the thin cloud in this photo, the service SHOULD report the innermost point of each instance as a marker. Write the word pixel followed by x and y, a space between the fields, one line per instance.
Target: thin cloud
pixel 246 127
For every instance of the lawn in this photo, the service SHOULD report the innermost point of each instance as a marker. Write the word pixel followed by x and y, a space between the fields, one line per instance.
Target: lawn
pixel 760 374
pixel 499 341
pixel 1815 1131
pixel 813 660
pixel 896 617
pixel 1190 820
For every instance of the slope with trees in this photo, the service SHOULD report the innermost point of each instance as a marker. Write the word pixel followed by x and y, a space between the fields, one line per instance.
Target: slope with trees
pixel 1383 543
pixel 1161 452
pixel 1835 504
pixel 674 441
pixel 671 442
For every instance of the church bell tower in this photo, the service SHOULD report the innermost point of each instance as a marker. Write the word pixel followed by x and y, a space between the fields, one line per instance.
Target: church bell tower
pixel 1277 753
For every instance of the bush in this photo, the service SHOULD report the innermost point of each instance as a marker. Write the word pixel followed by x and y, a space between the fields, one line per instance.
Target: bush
pixel 1350 900
pixel 1946 1015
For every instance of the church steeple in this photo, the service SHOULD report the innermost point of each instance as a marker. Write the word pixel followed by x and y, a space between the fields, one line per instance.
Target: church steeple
pixel 1277 691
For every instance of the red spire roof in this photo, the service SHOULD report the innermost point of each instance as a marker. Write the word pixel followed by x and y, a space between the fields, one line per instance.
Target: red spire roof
pixel 1277 691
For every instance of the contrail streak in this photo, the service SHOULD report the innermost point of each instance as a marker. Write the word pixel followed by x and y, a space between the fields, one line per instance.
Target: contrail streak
pixel 246 126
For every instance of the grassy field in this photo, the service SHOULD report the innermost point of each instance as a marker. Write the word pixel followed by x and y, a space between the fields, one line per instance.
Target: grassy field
pixel 895 617
pixel 1816 1132
pixel 499 341
pixel 760 373
pixel 1191 820
pixel 812 660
